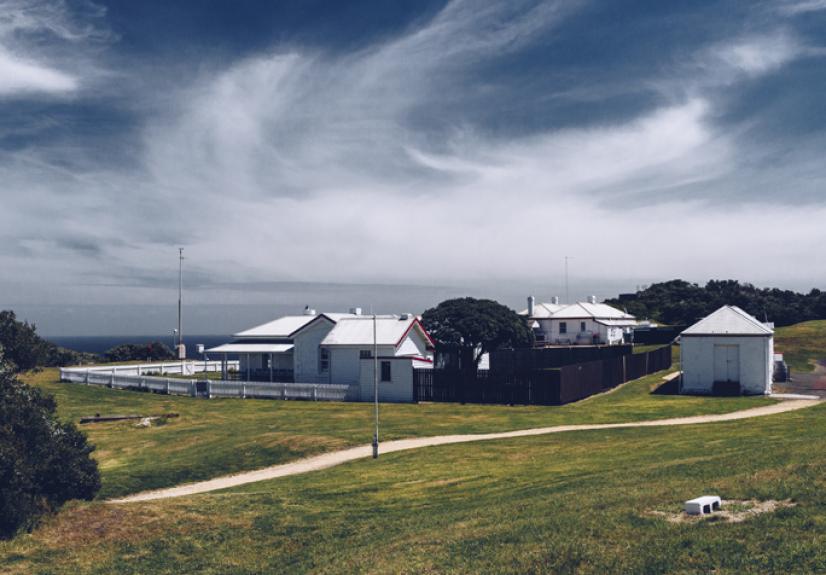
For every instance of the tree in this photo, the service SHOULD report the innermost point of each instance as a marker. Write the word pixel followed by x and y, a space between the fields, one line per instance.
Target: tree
pixel 43 462
pixel 475 327
pixel 139 352
pixel 26 350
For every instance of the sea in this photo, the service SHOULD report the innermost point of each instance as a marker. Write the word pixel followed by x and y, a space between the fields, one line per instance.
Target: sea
pixel 99 344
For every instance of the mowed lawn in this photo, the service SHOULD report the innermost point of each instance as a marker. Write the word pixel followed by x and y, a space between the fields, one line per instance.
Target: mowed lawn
pixel 576 502
pixel 217 437
pixel 802 344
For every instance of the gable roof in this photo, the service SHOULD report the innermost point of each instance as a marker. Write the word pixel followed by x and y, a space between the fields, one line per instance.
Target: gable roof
pixel 358 330
pixel 729 320
pixel 543 310
pixel 592 310
pixel 287 326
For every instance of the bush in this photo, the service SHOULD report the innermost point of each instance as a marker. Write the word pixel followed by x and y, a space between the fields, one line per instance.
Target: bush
pixel 139 352
pixel 26 350
pixel 43 462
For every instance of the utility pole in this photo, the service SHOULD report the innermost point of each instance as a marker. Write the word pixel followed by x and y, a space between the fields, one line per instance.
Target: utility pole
pixel 375 389
pixel 567 290
pixel 181 351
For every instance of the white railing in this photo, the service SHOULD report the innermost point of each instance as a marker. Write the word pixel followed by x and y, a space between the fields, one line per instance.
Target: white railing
pixel 205 388
pixel 190 367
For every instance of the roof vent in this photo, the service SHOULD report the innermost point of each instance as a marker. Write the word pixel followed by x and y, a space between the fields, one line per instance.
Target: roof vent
pixel 308 310
pixel 555 300
pixel 592 299
pixel 355 310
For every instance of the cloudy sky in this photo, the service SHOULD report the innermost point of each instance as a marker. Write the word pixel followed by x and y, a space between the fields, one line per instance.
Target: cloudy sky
pixel 299 149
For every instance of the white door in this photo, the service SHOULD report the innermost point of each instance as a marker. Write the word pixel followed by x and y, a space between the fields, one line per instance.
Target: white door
pixel 726 362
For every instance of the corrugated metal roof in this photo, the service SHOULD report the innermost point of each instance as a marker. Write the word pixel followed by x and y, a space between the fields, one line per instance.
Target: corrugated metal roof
pixel 251 348
pixel 543 310
pixel 358 330
pixel 729 320
pixel 591 310
pixel 286 326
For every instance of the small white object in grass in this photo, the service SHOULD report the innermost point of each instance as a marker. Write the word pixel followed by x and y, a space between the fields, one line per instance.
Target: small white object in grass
pixel 703 505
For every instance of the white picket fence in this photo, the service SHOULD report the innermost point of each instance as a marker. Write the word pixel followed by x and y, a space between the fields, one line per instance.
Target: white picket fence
pixel 206 388
pixel 159 368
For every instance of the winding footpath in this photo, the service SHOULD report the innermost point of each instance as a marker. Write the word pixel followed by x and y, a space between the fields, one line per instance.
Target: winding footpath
pixel 332 459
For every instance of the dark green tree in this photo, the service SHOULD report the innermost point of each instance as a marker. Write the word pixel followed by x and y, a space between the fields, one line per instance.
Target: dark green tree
pixel 43 462
pixel 475 327
pixel 139 352
pixel 26 350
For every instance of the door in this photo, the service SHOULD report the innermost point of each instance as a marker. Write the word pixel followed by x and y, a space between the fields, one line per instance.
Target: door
pixel 726 362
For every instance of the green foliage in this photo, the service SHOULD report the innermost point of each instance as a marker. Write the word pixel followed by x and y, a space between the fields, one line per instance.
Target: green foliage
pixel 153 351
pixel 476 326
pixel 26 350
pixel 679 302
pixel 43 462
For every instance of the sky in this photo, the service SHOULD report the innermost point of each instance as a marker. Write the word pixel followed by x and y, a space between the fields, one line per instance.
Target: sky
pixel 390 154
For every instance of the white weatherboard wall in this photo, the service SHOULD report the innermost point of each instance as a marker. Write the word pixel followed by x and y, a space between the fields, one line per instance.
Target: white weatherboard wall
pixel 754 356
pixel 305 359
pixel 398 390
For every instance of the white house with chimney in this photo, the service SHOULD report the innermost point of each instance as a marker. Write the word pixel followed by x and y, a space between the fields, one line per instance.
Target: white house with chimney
pixel 728 348
pixel 336 348
pixel 581 323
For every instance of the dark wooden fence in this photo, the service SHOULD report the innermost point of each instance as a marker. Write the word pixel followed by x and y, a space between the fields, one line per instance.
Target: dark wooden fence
pixel 544 386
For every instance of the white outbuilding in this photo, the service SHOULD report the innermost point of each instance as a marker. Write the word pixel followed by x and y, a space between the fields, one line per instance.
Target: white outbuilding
pixel 728 350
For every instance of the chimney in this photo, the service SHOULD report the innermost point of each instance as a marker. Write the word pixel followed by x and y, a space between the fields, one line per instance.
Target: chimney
pixel 555 300
pixel 355 310
pixel 531 302
pixel 592 299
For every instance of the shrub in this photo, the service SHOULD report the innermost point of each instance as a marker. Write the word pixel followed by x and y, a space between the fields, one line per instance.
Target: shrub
pixel 43 462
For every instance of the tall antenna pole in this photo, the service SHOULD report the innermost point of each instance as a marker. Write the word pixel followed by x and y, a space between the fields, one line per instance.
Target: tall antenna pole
pixel 180 297
pixel 375 389
pixel 567 291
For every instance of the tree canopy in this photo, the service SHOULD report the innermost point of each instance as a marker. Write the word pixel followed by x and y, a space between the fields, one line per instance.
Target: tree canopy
pixel 679 302
pixel 476 326
pixel 139 352
pixel 25 349
pixel 43 462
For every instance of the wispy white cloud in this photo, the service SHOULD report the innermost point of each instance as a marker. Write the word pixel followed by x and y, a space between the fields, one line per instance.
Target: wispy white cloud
pixel 54 66
pixel 795 7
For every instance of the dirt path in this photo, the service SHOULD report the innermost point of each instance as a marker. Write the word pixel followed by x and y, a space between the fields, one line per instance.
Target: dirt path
pixel 364 451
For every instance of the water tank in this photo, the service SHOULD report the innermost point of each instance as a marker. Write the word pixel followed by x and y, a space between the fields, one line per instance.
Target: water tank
pixel 531 302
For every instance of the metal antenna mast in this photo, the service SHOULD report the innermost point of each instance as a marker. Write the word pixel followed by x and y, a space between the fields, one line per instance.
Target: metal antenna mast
pixel 375 389
pixel 180 297
pixel 567 291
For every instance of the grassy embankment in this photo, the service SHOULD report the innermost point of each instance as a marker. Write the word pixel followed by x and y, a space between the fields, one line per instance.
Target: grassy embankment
pixel 571 503
pixel 217 437
pixel 802 344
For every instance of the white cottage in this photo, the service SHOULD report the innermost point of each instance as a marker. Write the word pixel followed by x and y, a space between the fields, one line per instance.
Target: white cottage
pixel 334 348
pixel 402 345
pixel 727 348
pixel 582 323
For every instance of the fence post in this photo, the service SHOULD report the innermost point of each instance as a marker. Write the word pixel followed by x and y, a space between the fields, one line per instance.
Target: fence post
pixel 243 391
pixel 284 391
pixel 86 378
pixel 112 378
pixel 315 392
pixel 167 387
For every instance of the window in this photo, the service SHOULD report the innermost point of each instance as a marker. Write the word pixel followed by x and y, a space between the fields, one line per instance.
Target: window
pixel 323 360
pixel 563 327
pixel 385 371
pixel 582 326
pixel 365 354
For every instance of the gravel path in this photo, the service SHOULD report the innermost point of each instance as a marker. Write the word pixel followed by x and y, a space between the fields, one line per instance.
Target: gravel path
pixel 365 451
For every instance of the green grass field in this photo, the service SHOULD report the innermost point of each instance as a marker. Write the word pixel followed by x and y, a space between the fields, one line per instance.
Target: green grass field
pixel 217 437
pixel 802 344
pixel 569 503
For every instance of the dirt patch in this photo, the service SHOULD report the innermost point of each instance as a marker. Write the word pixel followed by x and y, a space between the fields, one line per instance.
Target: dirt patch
pixel 733 511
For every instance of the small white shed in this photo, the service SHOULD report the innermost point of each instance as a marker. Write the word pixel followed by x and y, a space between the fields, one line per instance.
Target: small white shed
pixel 728 349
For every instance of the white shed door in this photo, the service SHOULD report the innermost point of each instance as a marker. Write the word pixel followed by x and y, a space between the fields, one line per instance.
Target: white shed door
pixel 726 362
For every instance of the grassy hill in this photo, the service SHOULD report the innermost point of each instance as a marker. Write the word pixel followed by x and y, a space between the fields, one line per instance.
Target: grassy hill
pixel 802 344
pixel 218 437
pixel 573 503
